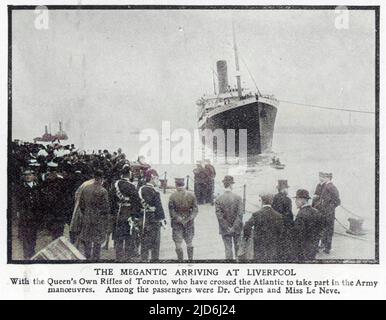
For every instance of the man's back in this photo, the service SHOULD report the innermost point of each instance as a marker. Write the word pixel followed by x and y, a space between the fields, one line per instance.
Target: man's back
pixel 95 197
pixel 268 228
pixel 182 201
pixel 229 207
pixel 308 228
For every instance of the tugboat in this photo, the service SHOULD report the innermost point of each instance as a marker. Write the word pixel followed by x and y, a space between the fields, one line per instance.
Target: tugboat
pixel 48 137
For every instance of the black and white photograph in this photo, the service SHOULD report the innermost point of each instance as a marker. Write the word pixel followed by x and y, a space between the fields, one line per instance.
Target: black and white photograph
pixel 193 134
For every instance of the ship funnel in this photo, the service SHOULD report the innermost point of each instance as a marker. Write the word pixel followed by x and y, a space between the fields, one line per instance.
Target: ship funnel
pixel 222 74
pixel 60 126
pixel 45 129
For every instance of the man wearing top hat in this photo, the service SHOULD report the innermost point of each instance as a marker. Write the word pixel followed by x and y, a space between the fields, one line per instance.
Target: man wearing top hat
pixel 307 228
pixel 183 210
pixel 153 216
pixel 30 214
pixel 326 199
pixel 229 212
pixel 267 227
pixel 283 205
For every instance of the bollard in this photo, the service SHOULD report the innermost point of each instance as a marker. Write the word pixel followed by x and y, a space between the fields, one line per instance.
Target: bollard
pixel 166 182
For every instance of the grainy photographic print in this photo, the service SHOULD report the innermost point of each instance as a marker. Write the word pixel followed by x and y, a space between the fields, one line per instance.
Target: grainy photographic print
pixel 193 134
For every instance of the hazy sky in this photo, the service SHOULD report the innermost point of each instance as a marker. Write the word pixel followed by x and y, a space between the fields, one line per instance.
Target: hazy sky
pixel 110 71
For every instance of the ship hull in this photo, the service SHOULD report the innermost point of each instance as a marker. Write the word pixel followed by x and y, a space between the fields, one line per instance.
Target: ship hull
pixel 257 117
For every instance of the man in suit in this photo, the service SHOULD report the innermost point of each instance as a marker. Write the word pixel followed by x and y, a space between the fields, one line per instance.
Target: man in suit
pixel 267 227
pixel 326 199
pixel 307 228
pixel 183 210
pixel 95 208
pixel 283 205
pixel 229 212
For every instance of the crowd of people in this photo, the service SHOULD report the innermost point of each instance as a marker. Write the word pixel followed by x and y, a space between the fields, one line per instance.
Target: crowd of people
pixel 100 194
pixel 45 180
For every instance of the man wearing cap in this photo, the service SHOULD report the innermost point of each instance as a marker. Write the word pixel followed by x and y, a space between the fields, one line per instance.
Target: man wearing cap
pixel 267 227
pixel 211 174
pixel 326 199
pixel 200 182
pixel 183 210
pixel 53 201
pixel 30 215
pixel 307 228
pixel 283 205
pixel 229 212
pixel 153 217
pixel 127 207
pixel 95 208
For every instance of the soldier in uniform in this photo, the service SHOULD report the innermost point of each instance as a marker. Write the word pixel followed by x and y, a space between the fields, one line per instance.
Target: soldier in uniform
pixel 267 227
pixel 326 199
pixel 127 207
pixel 53 201
pixel 307 228
pixel 229 212
pixel 95 208
pixel 183 210
pixel 29 209
pixel 153 217
pixel 283 205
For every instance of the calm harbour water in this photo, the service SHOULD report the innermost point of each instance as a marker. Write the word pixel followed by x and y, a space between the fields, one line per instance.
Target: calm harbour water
pixel 350 157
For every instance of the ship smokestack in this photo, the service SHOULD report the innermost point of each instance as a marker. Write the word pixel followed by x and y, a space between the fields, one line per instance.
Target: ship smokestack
pixel 222 74
pixel 45 129
pixel 60 126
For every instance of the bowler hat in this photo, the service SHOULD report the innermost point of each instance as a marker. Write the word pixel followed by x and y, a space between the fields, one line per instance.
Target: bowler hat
pixel 325 175
pixel 302 194
pixel 228 180
pixel 282 184
pixel 180 182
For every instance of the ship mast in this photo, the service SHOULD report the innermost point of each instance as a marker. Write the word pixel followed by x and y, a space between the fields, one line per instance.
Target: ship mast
pixel 239 93
pixel 214 83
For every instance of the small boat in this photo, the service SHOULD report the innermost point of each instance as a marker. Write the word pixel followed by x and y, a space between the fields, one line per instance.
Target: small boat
pixel 277 165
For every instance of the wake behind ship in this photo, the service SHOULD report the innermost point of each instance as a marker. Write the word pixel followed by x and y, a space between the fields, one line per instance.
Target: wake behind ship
pixel 238 108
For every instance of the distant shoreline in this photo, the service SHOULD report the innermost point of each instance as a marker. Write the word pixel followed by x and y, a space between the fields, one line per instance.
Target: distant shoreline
pixel 311 130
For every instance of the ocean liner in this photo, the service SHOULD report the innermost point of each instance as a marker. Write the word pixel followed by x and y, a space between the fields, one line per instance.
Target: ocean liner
pixel 238 108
